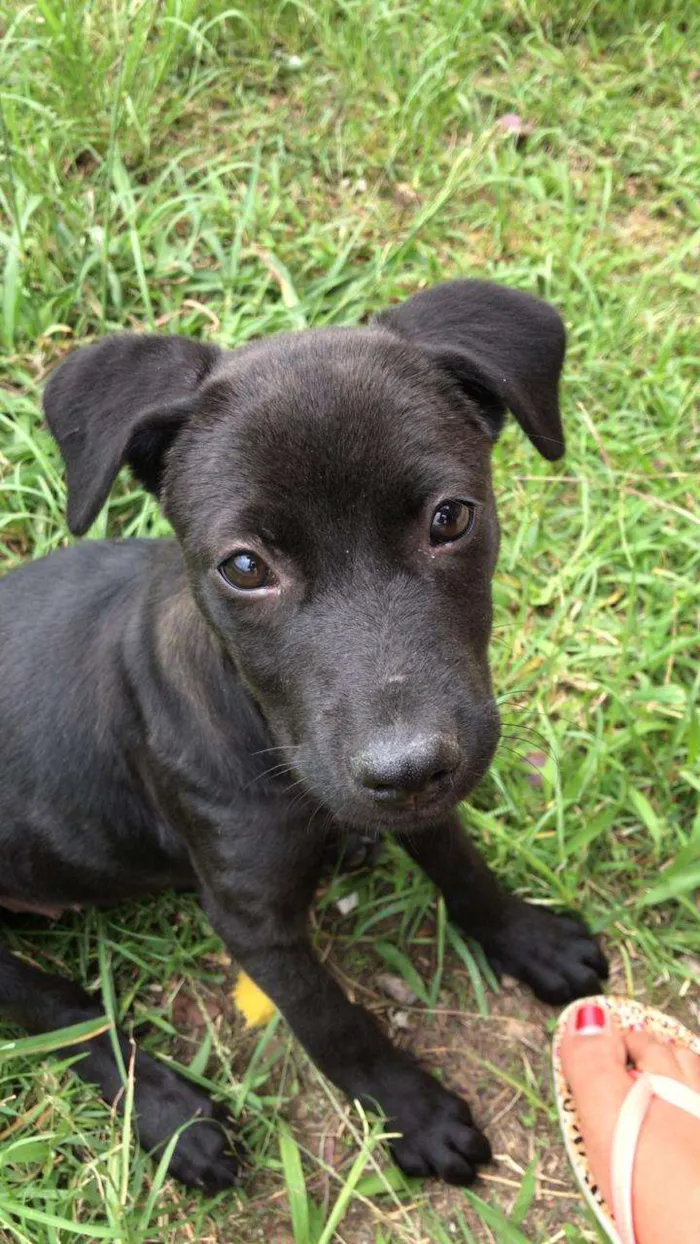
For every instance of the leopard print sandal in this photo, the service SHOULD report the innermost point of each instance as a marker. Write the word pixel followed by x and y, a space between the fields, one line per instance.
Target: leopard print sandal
pixel 617 1220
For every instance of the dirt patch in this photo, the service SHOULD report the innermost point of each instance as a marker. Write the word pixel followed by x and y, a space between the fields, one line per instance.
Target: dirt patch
pixel 646 230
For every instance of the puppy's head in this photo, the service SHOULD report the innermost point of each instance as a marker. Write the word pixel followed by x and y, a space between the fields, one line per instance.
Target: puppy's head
pixel 331 492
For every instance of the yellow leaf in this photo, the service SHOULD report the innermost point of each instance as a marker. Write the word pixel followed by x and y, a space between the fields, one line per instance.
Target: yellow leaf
pixel 254 1005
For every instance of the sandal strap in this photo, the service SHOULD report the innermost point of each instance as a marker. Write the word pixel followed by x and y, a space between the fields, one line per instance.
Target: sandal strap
pixel 626 1139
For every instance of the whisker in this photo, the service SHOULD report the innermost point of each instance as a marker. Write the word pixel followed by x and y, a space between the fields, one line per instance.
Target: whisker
pixel 274 771
pixel 281 747
pixel 527 757
pixel 299 798
pixel 524 759
pixel 514 752
pixel 310 821
pixel 545 743
pixel 526 731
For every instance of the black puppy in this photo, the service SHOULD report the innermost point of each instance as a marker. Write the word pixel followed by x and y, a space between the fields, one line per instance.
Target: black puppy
pixel 307 658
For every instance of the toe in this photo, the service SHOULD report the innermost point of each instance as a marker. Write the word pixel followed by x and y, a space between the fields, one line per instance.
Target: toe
pixel 594 1063
pixel 454 1168
pixel 471 1143
pixel 591 954
pixel 650 1053
pixel 412 1162
pixel 690 1067
pixel 560 983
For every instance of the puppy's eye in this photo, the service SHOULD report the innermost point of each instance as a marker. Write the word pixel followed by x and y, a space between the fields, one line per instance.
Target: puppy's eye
pixel 245 571
pixel 451 521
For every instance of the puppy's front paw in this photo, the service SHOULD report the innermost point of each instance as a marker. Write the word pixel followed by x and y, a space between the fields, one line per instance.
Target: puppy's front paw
pixel 557 956
pixel 206 1156
pixel 438 1137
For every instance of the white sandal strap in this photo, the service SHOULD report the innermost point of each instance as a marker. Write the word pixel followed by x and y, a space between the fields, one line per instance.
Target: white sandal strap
pixel 626 1138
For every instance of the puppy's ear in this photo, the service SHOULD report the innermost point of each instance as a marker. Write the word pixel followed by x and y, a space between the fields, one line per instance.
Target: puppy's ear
pixel 121 401
pixel 503 347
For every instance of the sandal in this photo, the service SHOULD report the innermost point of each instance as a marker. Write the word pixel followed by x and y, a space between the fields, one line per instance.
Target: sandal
pixel 617 1220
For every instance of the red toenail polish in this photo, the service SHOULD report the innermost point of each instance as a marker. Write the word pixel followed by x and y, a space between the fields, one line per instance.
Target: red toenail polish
pixel 590 1018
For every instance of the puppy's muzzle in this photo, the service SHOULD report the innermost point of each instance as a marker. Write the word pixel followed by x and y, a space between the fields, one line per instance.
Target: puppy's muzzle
pixel 406 769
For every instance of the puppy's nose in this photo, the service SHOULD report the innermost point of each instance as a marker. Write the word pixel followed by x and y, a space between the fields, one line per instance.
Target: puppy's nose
pixel 411 769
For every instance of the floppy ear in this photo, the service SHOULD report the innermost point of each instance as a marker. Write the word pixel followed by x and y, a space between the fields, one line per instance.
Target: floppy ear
pixel 503 347
pixel 121 401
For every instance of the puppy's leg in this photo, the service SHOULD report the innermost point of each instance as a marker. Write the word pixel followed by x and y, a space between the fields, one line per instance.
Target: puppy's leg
pixel 555 955
pixel 163 1101
pixel 259 906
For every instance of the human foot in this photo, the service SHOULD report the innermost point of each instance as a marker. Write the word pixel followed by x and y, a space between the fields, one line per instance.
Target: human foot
pixel 601 1059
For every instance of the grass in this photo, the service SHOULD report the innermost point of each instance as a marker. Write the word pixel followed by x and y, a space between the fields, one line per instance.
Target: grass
pixel 227 171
